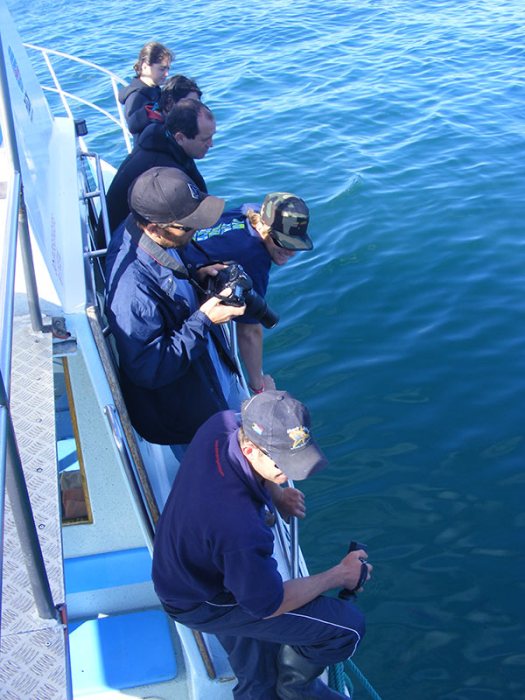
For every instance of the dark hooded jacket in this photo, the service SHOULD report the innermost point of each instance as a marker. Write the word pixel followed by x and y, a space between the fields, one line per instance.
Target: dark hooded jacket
pixel 154 148
pixel 135 97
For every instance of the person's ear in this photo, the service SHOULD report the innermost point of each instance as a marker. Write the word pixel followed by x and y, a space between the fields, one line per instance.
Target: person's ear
pixel 179 137
pixel 247 449
pixel 153 228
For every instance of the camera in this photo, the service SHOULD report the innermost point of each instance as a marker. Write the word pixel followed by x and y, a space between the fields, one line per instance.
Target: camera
pixel 234 278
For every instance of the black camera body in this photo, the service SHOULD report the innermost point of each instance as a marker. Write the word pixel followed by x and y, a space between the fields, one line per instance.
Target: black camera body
pixel 234 278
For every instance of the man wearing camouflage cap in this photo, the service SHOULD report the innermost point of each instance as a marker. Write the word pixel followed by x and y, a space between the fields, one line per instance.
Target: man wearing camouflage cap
pixel 213 564
pixel 255 236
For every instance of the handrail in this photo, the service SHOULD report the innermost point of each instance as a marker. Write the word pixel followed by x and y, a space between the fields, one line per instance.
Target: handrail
pixel 25 523
pixel 140 503
pixel 7 284
pixel 82 61
pixel 294 546
pixel 65 96
pixel 100 193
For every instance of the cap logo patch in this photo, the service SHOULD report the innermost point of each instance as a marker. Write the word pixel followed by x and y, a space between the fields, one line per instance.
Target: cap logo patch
pixel 194 191
pixel 299 436
pixel 257 429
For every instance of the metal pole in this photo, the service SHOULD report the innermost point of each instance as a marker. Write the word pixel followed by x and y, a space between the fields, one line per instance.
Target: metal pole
pixel 23 516
pixel 33 300
pixel 294 546
pixel 3 453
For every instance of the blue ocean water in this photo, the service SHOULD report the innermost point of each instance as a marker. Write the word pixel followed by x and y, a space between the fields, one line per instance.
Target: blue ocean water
pixel 402 124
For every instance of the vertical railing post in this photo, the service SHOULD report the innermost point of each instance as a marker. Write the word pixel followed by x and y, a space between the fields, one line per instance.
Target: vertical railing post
pixel 294 546
pixel 58 87
pixel 16 489
pixel 122 119
pixel 33 301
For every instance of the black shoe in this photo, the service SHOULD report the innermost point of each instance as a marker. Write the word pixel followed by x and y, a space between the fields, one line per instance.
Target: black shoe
pixel 297 678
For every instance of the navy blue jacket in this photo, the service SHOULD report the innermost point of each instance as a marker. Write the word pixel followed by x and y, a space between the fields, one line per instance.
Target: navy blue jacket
pixel 154 148
pixel 167 376
pixel 212 537
pixel 135 97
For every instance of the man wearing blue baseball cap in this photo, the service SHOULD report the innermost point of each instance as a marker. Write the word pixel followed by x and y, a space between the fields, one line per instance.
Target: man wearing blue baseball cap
pixel 213 564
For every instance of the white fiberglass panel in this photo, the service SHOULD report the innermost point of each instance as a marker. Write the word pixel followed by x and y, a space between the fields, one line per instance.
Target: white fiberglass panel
pixel 47 153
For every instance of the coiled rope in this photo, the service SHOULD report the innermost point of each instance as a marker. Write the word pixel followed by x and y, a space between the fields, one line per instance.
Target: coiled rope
pixel 339 678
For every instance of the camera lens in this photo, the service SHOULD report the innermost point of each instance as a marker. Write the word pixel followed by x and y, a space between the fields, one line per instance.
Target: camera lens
pixel 257 307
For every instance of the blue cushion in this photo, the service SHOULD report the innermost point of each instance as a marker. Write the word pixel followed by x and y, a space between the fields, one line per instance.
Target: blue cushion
pixel 121 651
pixel 108 569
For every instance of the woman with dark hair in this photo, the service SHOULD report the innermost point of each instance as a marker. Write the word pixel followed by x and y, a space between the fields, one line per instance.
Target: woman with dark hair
pixel 151 70
pixel 177 88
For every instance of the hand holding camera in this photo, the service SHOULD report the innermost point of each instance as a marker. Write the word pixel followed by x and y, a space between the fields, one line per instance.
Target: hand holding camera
pixel 234 279
pixel 219 312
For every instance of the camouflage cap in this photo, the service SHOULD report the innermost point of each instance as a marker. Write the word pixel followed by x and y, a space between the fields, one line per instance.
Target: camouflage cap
pixel 288 217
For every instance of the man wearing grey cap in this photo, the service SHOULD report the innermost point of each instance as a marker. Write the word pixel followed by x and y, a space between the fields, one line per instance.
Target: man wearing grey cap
pixel 213 565
pixel 176 369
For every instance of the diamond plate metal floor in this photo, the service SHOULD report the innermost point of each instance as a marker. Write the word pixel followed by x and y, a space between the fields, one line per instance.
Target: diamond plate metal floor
pixel 33 651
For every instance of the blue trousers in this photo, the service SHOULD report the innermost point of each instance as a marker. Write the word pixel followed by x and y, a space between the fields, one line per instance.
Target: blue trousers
pixel 324 631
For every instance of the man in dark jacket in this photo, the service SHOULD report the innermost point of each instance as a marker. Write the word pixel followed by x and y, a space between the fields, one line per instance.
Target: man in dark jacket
pixel 175 366
pixel 186 136
pixel 213 563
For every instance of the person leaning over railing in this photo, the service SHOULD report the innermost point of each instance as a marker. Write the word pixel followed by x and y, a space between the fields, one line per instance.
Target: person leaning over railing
pixel 255 236
pixel 176 368
pixel 213 564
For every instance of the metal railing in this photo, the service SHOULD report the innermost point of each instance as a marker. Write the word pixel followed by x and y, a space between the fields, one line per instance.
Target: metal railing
pixel 66 97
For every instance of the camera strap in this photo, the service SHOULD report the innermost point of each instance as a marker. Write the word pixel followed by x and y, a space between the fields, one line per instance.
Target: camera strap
pixel 155 251
pixel 160 255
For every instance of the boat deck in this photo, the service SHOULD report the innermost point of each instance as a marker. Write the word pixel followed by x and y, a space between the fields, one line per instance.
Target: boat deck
pixel 33 650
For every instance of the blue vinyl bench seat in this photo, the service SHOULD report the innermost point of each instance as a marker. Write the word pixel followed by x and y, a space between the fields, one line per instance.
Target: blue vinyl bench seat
pixel 124 649
pixel 121 651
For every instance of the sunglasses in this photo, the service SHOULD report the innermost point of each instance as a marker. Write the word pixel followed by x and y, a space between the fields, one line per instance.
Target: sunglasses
pixel 277 242
pixel 179 227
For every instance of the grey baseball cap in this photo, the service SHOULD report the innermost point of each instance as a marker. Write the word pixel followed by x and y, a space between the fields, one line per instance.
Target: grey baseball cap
pixel 280 426
pixel 167 195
